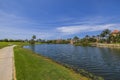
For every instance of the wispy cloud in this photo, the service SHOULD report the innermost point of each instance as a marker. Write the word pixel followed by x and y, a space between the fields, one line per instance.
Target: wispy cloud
pixel 93 20
pixel 17 27
pixel 89 24
pixel 87 28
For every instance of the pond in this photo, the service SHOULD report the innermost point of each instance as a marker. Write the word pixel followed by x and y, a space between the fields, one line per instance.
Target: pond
pixel 103 62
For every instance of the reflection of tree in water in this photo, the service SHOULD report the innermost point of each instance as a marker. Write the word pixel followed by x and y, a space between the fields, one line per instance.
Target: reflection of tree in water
pixel 106 56
pixel 116 52
pixel 33 47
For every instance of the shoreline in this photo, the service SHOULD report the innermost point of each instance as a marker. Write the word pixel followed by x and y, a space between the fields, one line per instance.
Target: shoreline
pixel 105 45
pixel 33 59
pixel 79 71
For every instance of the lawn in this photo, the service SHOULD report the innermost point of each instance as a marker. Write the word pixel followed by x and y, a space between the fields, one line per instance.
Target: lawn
pixel 30 66
pixel 3 44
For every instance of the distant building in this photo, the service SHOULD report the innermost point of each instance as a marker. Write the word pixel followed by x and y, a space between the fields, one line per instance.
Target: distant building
pixel 115 32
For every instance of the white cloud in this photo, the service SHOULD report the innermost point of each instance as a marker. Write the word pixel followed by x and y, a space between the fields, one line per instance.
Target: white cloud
pixel 86 28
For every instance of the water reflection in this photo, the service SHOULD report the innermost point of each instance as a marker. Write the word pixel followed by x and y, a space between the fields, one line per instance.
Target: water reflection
pixel 32 46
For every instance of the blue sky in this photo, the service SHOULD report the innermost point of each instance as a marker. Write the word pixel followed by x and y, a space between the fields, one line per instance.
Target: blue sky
pixel 56 19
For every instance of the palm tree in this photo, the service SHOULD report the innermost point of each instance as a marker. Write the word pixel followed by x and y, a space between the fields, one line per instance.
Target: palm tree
pixel 33 37
pixel 105 34
pixel 102 35
pixel 87 37
pixel 76 38
pixel 32 41
pixel 111 38
pixel 98 38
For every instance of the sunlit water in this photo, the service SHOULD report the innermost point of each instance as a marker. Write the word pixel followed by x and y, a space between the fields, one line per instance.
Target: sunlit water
pixel 103 62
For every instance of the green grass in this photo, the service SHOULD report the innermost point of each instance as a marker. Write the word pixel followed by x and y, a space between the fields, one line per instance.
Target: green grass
pixel 30 66
pixel 3 44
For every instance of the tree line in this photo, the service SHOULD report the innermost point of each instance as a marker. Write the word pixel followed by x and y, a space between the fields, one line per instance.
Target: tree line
pixel 106 36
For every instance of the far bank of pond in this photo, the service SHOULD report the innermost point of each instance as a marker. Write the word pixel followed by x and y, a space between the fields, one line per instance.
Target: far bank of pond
pixel 103 62
pixel 108 45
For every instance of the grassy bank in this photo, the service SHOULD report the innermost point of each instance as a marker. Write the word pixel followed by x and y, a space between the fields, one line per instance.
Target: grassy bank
pixel 30 66
pixel 3 44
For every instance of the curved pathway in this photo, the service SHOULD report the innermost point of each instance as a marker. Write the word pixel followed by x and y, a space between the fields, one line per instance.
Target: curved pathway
pixel 7 63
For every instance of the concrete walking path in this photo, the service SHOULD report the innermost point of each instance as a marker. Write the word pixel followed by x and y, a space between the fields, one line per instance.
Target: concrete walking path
pixel 7 63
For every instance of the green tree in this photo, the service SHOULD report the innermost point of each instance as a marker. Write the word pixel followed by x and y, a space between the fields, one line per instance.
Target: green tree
pixel 32 41
pixel 6 40
pixel 34 37
pixel 98 38
pixel 87 37
pixel 105 34
pixel 76 38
